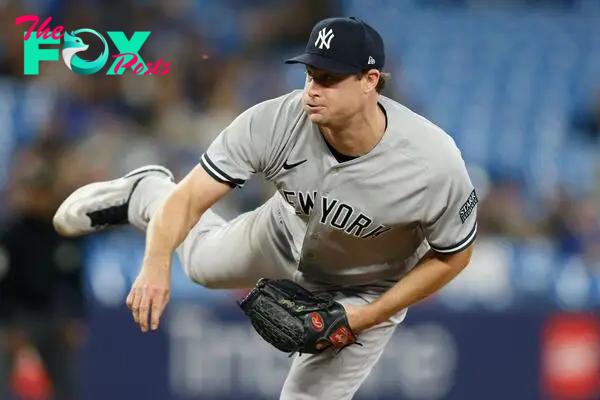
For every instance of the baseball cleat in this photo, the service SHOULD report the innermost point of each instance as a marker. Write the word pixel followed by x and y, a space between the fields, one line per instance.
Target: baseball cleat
pixel 100 205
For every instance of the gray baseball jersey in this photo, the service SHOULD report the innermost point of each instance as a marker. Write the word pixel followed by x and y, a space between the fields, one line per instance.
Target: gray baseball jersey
pixel 366 221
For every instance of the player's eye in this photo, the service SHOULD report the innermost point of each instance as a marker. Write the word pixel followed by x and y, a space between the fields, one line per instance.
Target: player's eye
pixel 323 78
pixel 327 79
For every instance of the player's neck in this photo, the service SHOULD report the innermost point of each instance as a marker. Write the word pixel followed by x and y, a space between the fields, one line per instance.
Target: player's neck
pixel 359 135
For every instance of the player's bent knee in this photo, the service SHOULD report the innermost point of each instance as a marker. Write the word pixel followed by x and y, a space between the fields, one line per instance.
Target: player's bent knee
pixel 204 277
pixel 211 282
pixel 199 277
pixel 191 269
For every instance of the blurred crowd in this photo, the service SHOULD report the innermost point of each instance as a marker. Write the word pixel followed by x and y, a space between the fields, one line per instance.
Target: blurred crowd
pixel 567 220
pixel 59 130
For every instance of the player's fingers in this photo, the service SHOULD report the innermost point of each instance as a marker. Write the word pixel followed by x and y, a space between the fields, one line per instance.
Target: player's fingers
pixel 144 310
pixel 130 297
pixel 135 305
pixel 158 308
pixel 156 313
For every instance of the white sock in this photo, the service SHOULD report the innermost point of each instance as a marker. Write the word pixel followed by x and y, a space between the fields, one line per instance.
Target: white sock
pixel 147 197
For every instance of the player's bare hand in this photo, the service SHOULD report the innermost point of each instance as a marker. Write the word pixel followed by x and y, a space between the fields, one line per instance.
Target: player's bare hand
pixel 149 296
pixel 359 317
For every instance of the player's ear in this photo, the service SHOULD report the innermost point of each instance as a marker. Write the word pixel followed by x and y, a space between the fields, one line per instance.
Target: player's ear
pixel 370 79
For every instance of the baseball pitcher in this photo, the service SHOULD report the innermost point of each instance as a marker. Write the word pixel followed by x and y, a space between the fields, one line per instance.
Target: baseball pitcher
pixel 374 211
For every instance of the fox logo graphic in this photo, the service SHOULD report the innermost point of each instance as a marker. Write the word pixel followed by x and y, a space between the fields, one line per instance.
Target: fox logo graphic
pixel 74 45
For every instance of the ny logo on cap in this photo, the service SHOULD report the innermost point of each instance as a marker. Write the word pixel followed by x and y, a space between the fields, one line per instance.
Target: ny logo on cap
pixel 324 38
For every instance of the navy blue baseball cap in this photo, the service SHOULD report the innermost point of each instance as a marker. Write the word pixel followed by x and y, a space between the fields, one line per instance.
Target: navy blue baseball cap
pixel 343 45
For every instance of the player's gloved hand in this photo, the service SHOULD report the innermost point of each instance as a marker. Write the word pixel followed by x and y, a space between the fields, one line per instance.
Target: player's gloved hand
pixel 293 319
pixel 150 294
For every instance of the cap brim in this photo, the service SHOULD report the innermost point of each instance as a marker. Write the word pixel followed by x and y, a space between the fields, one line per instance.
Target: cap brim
pixel 324 63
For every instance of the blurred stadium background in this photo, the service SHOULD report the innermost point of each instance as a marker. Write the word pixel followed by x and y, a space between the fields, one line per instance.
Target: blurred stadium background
pixel 515 82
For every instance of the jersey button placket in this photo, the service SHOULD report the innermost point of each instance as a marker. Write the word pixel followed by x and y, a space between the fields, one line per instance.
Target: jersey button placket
pixel 326 183
pixel 325 189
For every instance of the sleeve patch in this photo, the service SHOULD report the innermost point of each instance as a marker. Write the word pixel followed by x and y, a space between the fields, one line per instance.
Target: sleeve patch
pixel 468 206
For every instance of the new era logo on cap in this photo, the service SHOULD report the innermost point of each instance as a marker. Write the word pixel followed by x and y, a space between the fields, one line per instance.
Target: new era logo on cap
pixel 324 38
pixel 371 60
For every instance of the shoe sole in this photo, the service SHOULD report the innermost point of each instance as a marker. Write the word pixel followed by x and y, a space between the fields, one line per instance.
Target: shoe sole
pixel 77 194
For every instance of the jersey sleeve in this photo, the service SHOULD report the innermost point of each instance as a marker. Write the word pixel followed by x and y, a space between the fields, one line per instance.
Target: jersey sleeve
pixel 253 141
pixel 450 221
pixel 238 151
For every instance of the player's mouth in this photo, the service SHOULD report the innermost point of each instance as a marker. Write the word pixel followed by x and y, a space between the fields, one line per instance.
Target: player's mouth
pixel 313 108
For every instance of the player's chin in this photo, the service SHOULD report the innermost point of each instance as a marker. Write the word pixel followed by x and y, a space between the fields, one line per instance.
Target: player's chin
pixel 316 117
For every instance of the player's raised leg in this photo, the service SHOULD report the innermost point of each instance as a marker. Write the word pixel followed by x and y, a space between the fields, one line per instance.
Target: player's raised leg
pixel 216 254
pixel 101 205
pixel 237 253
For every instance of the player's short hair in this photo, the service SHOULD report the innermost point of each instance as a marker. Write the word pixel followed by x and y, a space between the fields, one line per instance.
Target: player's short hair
pixel 383 79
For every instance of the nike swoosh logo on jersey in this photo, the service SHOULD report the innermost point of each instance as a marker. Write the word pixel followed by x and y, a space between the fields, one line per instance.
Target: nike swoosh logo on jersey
pixel 287 166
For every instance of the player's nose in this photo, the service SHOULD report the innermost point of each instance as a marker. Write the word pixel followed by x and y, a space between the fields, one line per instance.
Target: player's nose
pixel 313 94
pixel 312 89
